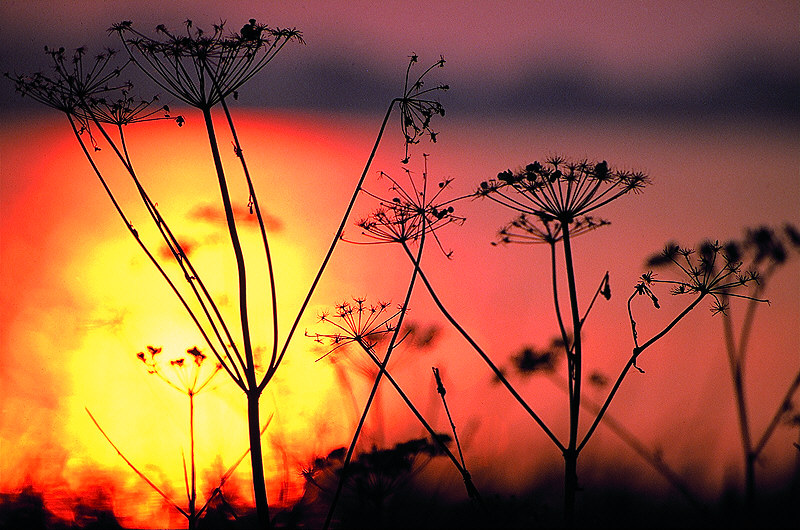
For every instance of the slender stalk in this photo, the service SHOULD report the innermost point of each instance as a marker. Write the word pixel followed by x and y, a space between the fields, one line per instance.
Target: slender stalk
pixel 374 391
pixel 235 243
pixel 262 227
pixel 559 319
pixel 193 494
pixel 182 259
pixel 497 372
pixel 461 467
pixel 651 457
pixel 134 468
pixel 631 363
pixel 253 391
pixel 574 358
pixel 256 460
pixel 331 248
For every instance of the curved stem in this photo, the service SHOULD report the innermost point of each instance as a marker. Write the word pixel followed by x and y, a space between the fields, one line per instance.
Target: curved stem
pixel 327 257
pixel 374 391
pixel 632 362
pixel 192 276
pixel 497 372
pixel 237 250
pixel 262 227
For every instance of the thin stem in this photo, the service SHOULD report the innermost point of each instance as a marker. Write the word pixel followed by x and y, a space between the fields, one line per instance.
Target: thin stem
pixel 193 494
pixel 782 408
pixel 564 335
pixel 632 362
pixel 497 372
pixel 179 255
pixel 441 390
pixel 461 467
pixel 651 457
pixel 374 391
pixel 249 367
pixel 574 374
pixel 141 475
pixel 262 227
pixel 333 244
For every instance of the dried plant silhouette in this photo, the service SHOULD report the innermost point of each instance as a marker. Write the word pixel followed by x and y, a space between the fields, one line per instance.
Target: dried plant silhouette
pixel 364 326
pixel 187 377
pixel 765 251
pixel 403 221
pixel 203 70
pixel 553 201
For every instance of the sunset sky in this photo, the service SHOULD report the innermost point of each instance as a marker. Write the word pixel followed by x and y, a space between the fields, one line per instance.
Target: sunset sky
pixel 702 96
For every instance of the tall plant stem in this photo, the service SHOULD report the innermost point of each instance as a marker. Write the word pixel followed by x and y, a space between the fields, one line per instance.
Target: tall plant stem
pixel 574 356
pixel 253 391
pixel 171 241
pixel 193 490
pixel 650 456
pixel 374 391
pixel 472 491
pixel 265 241
pixel 332 246
pixel 497 372
pixel 630 364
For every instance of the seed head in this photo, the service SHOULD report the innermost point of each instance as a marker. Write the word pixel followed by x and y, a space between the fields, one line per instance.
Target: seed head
pixel 357 322
pixel 561 189
pixel 416 106
pixel 409 211
pixel 713 270
pixel 202 68
pixel 543 228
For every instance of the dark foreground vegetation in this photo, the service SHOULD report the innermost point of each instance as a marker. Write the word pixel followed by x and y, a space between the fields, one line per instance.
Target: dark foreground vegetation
pixel 414 507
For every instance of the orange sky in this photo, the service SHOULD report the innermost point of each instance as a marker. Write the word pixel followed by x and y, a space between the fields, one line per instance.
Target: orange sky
pixel 78 300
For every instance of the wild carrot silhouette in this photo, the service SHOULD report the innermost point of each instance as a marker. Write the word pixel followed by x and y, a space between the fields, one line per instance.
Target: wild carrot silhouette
pixel 363 326
pixel 764 250
pixel 711 272
pixel 203 70
pixel 554 201
pixel 186 375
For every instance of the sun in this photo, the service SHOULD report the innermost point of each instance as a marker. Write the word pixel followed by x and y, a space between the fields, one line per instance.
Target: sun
pixel 89 300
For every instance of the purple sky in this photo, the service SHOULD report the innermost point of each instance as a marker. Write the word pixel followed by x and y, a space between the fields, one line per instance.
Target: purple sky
pixel 662 59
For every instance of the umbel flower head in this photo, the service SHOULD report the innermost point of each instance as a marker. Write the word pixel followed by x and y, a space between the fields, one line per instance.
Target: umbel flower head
pixel 74 83
pixel 409 213
pixel 356 322
pixel 561 189
pixel 417 106
pixel 127 109
pixel 712 270
pixel 525 230
pixel 203 68
pixel 88 92
pixel 185 371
